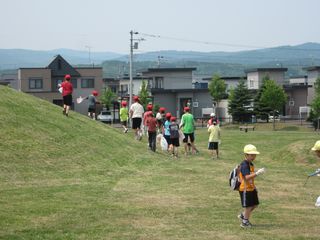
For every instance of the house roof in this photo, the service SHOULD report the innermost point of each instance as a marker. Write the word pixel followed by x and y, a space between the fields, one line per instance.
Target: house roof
pixel 312 68
pixel 295 86
pixel 161 91
pixel 266 69
pixel 226 78
pixel 150 70
pixel 60 67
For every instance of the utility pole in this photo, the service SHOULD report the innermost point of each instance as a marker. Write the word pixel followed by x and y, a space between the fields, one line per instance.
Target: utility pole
pixel 159 60
pixel 132 46
pixel 89 49
pixel 130 67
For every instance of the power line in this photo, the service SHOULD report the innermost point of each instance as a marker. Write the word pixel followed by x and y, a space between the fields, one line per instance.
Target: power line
pixel 224 44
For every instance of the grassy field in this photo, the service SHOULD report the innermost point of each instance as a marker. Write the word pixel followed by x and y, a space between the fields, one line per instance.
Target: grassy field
pixel 74 178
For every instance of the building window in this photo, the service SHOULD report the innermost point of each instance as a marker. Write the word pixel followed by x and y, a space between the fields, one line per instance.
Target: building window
pixel 35 83
pixel 113 89
pixel 251 83
pixel 124 89
pixel 87 83
pixel 158 82
pixel 74 82
pixel 55 83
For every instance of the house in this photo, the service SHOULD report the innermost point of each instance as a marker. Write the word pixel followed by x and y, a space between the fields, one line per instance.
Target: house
pixel 175 88
pixel 313 73
pixel 125 83
pixel 296 88
pixel 255 76
pixel 231 83
pixel 9 79
pixel 43 82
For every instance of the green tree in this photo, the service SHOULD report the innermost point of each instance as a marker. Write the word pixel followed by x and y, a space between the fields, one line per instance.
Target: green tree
pixel 217 88
pixel 107 97
pixel 144 94
pixel 240 103
pixel 261 111
pixel 274 97
pixel 315 105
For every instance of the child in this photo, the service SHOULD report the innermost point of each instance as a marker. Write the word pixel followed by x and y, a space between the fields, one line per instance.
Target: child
pixel 212 119
pixel 214 138
pixel 152 131
pixel 92 104
pixel 67 90
pixel 146 115
pixel 124 116
pixel 174 136
pixel 161 116
pixel 316 149
pixel 166 130
pixel 247 189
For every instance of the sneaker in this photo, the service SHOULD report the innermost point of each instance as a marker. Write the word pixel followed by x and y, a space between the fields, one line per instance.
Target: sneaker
pixel 241 217
pixel 246 224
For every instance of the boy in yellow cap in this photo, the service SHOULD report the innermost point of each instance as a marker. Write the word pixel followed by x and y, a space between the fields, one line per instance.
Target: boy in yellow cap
pixel 247 190
pixel 316 149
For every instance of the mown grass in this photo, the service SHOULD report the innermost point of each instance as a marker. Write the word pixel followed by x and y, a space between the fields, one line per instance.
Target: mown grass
pixel 72 178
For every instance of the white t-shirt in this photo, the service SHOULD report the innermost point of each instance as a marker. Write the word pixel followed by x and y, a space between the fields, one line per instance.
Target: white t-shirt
pixel 137 110
pixel 158 116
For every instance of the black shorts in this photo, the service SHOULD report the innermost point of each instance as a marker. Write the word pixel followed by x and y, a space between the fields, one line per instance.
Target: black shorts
pixel 249 199
pixel 188 135
pixel 124 123
pixel 67 100
pixel 167 137
pixel 92 110
pixel 213 145
pixel 175 142
pixel 136 123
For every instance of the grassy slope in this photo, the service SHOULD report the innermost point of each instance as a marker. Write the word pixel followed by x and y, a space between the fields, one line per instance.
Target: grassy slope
pixel 72 178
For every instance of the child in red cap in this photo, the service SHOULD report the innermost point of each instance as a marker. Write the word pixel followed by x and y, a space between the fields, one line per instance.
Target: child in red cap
pixel 92 104
pixel 67 90
pixel 152 131
pixel 146 115
pixel 174 136
pixel 124 116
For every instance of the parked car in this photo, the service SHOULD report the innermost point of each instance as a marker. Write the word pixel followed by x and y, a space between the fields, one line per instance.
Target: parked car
pixel 105 116
pixel 276 118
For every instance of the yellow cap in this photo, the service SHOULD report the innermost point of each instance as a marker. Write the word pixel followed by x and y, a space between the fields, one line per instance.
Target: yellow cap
pixel 316 146
pixel 250 149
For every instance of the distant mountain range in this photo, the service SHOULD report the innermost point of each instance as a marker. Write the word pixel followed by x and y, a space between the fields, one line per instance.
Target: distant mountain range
pixel 207 63
pixel 16 58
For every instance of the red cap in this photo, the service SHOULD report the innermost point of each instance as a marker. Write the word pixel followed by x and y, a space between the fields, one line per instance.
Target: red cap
pixel 186 109
pixel 168 115
pixel 124 104
pixel 162 109
pixel 149 107
pixel 173 119
pixel 95 93
pixel 67 77
pixel 136 98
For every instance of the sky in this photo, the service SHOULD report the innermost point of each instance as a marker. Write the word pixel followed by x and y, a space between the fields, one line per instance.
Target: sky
pixel 190 25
